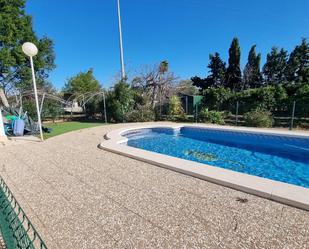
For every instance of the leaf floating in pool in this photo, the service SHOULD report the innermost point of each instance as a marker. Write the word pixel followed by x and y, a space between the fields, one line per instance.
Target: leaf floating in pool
pixel 201 155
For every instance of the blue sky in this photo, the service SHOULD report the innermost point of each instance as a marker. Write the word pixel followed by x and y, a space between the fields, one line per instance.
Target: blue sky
pixel 183 32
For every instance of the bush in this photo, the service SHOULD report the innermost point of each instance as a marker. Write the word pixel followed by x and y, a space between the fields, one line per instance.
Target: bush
pixel 141 115
pixel 302 101
pixel 217 98
pixel 180 118
pixel 175 107
pixel 213 117
pixel 52 109
pixel 259 118
pixel 30 108
pixel 119 102
pixel 257 98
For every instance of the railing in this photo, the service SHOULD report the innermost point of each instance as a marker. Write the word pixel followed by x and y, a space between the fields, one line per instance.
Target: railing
pixel 16 228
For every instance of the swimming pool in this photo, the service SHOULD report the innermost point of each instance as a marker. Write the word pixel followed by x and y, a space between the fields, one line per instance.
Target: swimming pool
pixel 275 157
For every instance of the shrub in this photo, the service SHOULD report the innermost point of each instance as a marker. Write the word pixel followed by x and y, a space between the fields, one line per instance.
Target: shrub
pixel 52 110
pixel 141 115
pixel 180 118
pixel 175 107
pixel 259 118
pixel 302 101
pixel 213 117
pixel 257 98
pixel 119 102
pixel 30 108
pixel 217 98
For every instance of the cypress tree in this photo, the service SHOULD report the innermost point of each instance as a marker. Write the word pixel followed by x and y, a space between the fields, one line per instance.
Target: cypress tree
pixel 274 69
pixel 298 63
pixel 252 72
pixel 233 73
pixel 217 70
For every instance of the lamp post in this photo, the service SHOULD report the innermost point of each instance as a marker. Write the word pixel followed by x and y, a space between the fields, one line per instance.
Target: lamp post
pixel 31 50
pixel 123 73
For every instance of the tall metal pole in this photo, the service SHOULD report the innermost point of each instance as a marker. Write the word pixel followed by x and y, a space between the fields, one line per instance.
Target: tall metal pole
pixel 41 107
pixel 104 106
pixel 123 73
pixel 36 99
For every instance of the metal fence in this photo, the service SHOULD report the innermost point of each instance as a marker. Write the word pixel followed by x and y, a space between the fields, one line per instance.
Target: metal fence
pixel 289 115
pixel 292 114
pixel 16 228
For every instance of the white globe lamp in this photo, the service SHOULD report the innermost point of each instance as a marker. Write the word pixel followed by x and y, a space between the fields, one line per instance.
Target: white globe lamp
pixel 31 50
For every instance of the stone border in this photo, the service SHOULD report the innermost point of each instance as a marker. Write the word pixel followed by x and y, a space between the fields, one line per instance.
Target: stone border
pixel 274 190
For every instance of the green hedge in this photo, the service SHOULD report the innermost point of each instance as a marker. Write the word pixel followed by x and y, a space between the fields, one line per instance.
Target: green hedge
pixel 278 99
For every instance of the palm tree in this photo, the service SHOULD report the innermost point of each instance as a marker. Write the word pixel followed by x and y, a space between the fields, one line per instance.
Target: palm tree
pixel 163 68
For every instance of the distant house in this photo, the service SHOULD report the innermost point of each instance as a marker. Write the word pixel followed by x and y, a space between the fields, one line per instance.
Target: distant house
pixel 190 103
pixel 73 107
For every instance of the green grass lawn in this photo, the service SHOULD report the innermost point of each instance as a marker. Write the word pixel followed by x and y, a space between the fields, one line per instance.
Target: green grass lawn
pixel 61 128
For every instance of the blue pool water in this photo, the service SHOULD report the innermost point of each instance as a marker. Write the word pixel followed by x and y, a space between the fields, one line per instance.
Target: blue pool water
pixel 275 157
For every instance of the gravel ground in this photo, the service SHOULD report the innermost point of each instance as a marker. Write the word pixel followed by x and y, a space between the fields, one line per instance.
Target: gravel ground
pixel 79 196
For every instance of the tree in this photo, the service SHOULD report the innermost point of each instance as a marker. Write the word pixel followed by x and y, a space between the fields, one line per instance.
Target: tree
pixel 216 75
pixel 274 69
pixel 163 67
pixel 186 87
pixel 15 29
pixel 120 101
pixel 215 97
pixel 233 73
pixel 156 82
pixel 82 83
pixel 298 63
pixel 252 72
pixel 51 109
pixel 200 83
pixel 217 70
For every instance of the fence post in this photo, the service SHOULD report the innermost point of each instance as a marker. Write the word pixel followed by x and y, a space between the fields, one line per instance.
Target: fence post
pixel 186 104
pixel 293 114
pixel 236 118
pixel 196 112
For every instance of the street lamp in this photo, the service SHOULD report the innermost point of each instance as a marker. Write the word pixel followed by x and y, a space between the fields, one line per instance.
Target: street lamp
pixel 31 50
pixel 123 72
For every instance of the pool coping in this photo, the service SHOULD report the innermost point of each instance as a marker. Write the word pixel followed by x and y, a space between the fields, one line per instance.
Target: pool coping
pixel 285 193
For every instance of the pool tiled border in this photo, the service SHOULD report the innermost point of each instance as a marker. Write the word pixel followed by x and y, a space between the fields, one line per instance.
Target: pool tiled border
pixel 274 190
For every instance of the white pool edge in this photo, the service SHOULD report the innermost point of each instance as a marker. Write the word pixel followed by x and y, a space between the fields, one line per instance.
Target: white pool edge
pixel 274 190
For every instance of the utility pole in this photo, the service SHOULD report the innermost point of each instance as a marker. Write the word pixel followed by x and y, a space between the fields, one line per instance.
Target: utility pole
pixel 123 73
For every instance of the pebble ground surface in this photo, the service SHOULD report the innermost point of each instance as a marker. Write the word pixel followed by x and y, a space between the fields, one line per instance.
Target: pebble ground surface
pixel 79 196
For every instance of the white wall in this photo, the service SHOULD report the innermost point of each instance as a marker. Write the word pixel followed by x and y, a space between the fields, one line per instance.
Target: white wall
pixel 2 133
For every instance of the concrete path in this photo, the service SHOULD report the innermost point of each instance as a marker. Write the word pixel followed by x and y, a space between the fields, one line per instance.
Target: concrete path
pixel 79 196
